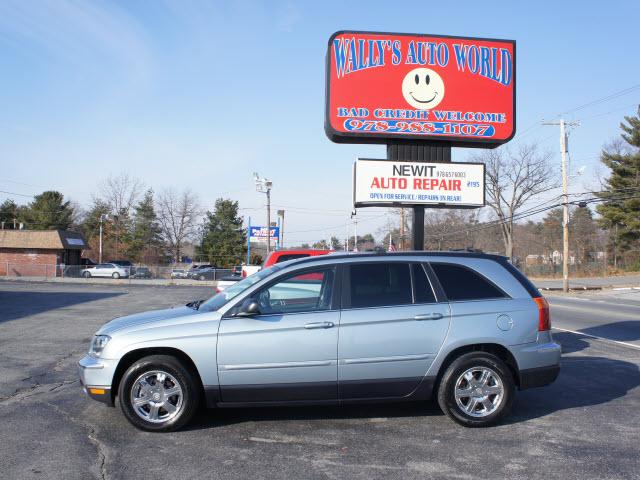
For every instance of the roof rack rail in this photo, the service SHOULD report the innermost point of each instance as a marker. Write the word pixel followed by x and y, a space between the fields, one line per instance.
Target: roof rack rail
pixel 467 249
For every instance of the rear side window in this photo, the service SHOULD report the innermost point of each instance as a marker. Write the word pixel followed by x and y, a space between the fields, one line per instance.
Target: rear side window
pixel 380 284
pixel 291 256
pixel 524 281
pixel 422 288
pixel 462 283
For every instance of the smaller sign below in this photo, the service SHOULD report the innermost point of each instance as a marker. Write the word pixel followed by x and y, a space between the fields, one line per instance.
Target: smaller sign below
pixel 259 234
pixel 384 182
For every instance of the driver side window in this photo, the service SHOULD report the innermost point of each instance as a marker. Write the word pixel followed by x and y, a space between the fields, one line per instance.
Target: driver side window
pixel 310 291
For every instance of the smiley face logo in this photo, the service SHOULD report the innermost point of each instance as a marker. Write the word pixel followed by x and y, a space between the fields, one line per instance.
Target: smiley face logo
pixel 423 88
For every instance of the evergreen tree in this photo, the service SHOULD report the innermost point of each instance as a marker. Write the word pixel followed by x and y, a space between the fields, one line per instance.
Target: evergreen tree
pixel 321 245
pixel 582 233
pixel 552 229
pixel 621 211
pixel 48 211
pixel 147 234
pixel 224 239
pixel 9 214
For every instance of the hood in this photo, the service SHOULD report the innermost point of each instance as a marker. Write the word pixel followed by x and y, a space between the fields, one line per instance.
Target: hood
pixel 166 316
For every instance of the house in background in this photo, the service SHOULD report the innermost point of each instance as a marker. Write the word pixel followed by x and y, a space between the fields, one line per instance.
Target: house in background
pixel 39 252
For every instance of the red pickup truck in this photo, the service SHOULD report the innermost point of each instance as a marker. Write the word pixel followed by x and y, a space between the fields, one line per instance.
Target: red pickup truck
pixel 282 256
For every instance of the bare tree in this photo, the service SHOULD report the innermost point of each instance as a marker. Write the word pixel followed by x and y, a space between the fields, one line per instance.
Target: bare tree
pixel 121 193
pixel 514 178
pixel 178 214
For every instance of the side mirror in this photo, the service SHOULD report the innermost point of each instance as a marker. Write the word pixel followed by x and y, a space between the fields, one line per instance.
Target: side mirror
pixel 249 308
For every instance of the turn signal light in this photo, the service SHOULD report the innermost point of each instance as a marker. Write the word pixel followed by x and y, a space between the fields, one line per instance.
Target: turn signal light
pixel 543 310
pixel 97 391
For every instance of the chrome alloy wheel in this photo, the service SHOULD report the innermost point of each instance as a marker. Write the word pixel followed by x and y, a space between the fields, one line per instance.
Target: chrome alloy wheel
pixel 479 391
pixel 156 396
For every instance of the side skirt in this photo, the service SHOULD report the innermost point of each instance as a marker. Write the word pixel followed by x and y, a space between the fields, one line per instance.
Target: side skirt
pixel 320 393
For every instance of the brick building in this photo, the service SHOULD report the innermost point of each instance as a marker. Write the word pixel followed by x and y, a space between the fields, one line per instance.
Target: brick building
pixel 39 252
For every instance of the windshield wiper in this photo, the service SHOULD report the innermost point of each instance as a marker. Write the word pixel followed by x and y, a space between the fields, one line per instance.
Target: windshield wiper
pixel 195 304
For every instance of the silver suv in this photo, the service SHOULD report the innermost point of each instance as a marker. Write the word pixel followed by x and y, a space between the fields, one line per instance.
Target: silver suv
pixel 466 328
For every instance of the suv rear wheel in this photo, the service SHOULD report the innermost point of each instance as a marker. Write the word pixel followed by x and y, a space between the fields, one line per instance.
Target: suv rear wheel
pixel 158 394
pixel 115 275
pixel 476 390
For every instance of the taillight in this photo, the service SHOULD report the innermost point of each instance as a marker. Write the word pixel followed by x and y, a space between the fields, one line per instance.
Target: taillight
pixel 544 322
pixel 244 273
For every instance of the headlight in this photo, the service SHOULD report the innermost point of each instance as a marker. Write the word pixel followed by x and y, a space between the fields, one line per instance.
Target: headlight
pixel 97 344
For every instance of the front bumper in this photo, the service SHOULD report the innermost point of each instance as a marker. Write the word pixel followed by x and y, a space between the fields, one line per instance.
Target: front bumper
pixel 96 375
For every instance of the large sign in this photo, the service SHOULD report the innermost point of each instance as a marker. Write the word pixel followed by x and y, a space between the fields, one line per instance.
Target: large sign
pixel 259 234
pixel 385 86
pixel 384 183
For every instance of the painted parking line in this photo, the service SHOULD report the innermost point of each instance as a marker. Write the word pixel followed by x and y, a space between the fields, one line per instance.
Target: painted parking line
pixel 617 342
pixel 634 315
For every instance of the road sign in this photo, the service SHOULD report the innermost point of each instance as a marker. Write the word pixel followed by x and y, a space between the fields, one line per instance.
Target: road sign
pixel 385 183
pixel 388 86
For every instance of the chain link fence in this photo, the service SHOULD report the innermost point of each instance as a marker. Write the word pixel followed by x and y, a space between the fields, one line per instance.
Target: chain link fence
pixel 589 269
pixel 171 274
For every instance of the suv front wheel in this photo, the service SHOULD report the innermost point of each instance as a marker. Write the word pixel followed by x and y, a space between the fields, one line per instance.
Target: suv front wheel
pixel 158 394
pixel 477 390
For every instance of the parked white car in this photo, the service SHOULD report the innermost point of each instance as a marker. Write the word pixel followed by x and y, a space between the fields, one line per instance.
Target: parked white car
pixel 226 282
pixel 106 270
pixel 178 273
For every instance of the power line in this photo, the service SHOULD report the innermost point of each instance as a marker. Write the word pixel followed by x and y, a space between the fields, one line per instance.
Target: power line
pixel 6 180
pixel 19 194
pixel 532 212
pixel 603 99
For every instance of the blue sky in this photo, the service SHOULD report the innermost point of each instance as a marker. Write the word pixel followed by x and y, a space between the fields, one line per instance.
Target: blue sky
pixel 201 94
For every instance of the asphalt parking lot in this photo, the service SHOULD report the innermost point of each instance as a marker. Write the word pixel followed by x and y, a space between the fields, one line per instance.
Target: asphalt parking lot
pixel 585 426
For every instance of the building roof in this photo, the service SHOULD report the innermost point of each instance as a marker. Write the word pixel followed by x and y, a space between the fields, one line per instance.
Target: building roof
pixel 43 239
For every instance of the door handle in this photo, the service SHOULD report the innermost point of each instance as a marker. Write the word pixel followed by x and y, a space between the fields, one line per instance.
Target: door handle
pixel 312 325
pixel 428 316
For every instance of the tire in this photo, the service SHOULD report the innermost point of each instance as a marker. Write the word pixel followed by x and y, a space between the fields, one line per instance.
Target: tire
pixel 201 277
pixel 157 416
pixel 115 275
pixel 479 403
pixel 86 275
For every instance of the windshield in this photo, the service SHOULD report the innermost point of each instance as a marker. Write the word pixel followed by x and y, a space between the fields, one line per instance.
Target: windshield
pixel 220 299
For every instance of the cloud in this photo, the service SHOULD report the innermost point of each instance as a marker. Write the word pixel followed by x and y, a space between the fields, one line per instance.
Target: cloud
pixel 80 33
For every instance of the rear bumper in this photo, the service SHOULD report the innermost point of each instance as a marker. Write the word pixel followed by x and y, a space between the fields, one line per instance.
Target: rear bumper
pixel 538 377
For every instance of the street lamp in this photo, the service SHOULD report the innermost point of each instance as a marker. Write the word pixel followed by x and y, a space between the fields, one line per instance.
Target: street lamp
pixel 264 186
pixel 103 217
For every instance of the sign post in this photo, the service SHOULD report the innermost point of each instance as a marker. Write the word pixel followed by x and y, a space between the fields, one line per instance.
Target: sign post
pixel 249 242
pixel 420 95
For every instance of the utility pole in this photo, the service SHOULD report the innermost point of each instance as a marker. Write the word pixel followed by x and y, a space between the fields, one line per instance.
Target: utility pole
pixel 281 216
pixel 355 230
pixel 346 241
pixel 565 199
pixel 264 186
pixel 401 246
